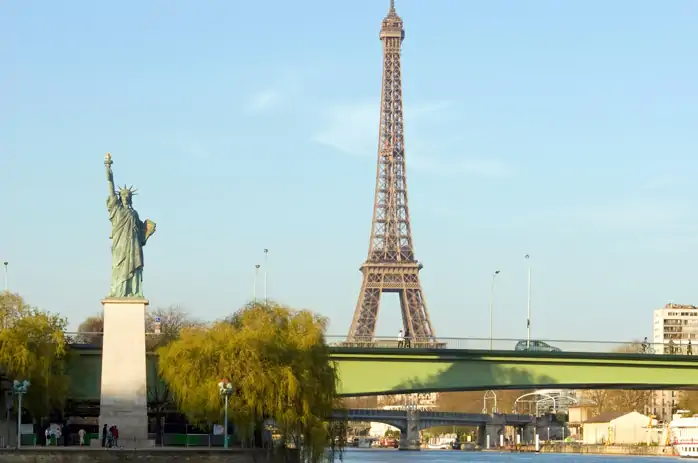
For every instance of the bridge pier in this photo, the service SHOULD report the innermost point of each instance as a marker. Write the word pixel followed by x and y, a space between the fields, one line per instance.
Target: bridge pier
pixel 410 439
pixel 494 428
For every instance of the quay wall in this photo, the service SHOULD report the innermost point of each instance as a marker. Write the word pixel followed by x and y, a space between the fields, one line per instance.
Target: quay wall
pixel 157 455
pixel 638 450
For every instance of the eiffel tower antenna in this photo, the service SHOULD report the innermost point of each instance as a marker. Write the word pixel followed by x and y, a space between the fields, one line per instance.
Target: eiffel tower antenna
pixel 391 265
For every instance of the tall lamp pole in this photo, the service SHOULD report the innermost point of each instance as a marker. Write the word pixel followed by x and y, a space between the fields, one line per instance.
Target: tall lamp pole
pixel 494 276
pixel 266 260
pixel 225 388
pixel 7 288
pixel 528 316
pixel 20 388
pixel 256 273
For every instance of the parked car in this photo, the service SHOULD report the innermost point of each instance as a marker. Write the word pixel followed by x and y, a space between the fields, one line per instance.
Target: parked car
pixel 536 346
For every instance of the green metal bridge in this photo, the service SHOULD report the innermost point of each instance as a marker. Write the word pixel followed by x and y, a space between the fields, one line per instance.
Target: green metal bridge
pixel 381 367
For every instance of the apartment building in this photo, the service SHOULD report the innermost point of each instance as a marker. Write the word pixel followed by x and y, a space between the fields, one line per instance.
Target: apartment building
pixel 678 324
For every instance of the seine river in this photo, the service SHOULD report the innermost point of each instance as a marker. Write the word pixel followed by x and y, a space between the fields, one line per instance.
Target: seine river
pixel 446 456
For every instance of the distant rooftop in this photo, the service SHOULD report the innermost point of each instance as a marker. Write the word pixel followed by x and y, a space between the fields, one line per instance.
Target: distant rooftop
pixel 671 305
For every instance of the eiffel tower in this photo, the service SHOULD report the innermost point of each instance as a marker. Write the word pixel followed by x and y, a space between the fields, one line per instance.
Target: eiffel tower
pixel 391 266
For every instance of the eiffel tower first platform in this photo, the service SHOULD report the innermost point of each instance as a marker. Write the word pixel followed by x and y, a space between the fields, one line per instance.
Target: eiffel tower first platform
pixel 391 265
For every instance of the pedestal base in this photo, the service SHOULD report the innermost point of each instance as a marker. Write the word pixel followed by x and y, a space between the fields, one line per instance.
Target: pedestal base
pixel 124 394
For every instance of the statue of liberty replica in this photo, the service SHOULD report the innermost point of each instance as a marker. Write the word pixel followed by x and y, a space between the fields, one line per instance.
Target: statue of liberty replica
pixel 128 235
pixel 123 397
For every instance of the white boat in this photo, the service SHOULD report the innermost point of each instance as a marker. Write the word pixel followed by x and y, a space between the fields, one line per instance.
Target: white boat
pixel 683 436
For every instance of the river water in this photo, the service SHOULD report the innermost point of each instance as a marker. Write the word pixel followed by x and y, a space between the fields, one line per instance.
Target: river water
pixel 447 456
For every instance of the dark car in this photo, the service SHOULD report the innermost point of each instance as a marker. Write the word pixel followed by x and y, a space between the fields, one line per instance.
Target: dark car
pixel 536 346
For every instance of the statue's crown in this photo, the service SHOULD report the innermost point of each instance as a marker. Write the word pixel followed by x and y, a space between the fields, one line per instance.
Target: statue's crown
pixel 127 190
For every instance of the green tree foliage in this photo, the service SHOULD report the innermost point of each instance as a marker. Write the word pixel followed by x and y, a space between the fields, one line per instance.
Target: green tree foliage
pixel 279 364
pixel 33 347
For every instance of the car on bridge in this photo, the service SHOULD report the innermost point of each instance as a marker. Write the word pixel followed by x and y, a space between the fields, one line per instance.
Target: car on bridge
pixel 535 346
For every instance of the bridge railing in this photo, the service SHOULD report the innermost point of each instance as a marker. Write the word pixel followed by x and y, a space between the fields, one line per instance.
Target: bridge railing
pixel 669 347
pixel 674 347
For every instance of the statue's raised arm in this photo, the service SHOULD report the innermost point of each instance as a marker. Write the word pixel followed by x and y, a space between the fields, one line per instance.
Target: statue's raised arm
pixel 110 175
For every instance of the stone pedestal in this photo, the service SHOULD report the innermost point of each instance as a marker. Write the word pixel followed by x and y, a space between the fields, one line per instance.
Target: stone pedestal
pixel 124 400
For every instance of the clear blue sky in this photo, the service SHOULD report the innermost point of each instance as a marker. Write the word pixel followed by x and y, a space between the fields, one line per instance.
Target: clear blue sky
pixel 566 130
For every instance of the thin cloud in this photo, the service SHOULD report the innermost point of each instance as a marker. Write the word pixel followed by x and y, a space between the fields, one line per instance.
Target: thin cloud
pixel 264 100
pixel 353 129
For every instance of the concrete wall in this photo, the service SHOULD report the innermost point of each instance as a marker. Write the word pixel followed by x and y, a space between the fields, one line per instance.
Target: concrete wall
pixel 151 455
pixel 631 429
pixel 595 433
pixel 609 449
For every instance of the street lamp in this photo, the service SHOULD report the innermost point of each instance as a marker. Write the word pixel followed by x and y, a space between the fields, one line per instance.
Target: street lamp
pixel 494 275
pixel 225 388
pixel 528 317
pixel 20 388
pixel 256 273
pixel 6 263
pixel 266 261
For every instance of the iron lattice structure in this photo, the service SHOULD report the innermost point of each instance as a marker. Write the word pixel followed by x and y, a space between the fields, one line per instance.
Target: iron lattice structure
pixel 391 265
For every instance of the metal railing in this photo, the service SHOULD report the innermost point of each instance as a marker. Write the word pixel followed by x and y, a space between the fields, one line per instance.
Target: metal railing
pixel 678 347
pixel 673 347
pixel 95 338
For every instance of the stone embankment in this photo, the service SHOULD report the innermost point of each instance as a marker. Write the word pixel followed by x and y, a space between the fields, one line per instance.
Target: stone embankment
pixel 157 455
pixel 637 450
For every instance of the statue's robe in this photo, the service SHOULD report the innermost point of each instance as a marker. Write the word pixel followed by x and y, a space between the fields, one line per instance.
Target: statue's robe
pixel 128 238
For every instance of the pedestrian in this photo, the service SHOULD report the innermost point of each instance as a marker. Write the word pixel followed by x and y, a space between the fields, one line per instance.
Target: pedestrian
pixel 81 434
pixel 110 437
pixel 104 436
pixel 115 435
pixel 400 339
pixel 689 348
pixel 47 434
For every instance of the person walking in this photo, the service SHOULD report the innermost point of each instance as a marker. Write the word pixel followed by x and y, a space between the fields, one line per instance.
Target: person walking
pixel 104 435
pixel 689 348
pixel 81 435
pixel 400 339
pixel 115 435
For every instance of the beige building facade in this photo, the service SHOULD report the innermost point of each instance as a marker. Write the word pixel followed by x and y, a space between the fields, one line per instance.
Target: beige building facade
pixel 674 328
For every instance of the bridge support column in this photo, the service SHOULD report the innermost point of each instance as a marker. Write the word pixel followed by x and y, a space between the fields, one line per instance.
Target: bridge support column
pixel 410 439
pixel 529 433
pixel 482 439
pixel 495 428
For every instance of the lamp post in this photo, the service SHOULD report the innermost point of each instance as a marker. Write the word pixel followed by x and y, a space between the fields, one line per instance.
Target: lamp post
pixel 256 273
pixel 494 276
pixel 7 288
pixel 20 388
pixel 266 261
pixel 528 317
pixel 225 388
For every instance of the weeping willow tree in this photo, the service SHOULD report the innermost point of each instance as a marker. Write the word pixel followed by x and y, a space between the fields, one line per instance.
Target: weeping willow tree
pixel 279 364
pixel 33 347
